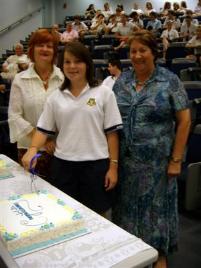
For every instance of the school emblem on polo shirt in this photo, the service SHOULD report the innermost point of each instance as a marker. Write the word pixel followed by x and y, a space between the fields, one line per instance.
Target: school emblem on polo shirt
pixel 91 102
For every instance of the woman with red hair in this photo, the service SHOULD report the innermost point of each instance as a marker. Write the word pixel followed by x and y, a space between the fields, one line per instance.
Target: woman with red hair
pixel 29 91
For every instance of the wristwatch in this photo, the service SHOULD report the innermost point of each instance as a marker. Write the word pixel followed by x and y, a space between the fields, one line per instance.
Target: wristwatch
pixel 176 160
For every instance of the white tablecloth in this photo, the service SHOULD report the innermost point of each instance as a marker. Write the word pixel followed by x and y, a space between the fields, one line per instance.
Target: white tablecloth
pixel 105 246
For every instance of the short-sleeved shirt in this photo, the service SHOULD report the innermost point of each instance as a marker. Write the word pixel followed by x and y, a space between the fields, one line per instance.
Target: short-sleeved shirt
pixel 81 122
pixel 125 29
pixel 170 35
pixel 148 115
pixel 155 24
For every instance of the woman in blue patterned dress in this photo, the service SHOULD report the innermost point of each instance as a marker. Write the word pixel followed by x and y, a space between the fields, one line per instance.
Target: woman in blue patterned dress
pixel 156 118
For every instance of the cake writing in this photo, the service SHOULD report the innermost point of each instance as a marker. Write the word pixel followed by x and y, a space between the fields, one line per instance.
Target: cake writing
pixel 21 211
pixel 34 216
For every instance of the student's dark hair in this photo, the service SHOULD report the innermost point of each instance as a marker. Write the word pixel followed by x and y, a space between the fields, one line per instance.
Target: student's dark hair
pixel 115 62
pixel 153 14
pixel 82 53
pixel 171 12
pixel 134 13
pixel 146 38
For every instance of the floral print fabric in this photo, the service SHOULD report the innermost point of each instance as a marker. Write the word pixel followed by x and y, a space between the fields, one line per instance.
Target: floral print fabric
pixel 147 198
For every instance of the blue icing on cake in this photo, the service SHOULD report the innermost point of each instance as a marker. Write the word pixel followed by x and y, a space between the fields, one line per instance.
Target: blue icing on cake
pixel 9 236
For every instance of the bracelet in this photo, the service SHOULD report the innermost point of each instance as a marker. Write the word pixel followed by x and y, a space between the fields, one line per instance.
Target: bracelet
pixel 176 160
pixel 114 161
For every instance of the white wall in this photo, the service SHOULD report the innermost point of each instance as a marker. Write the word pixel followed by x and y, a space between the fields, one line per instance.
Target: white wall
pixel 10 12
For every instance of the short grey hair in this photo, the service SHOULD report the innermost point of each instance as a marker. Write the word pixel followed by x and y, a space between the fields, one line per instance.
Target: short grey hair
pixel 18 45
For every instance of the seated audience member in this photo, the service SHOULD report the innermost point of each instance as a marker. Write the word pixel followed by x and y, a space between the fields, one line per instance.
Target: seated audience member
pixel 124 30
pixel 99 27
pixel 135 20
pixel 137 9
pixel 112 26
pixel 166 8
pixel 10 67
pixel 189 12
pixel 29 92
pixel 148 9
pixel 90 12
pixel 171 16
pixel 107 12
pixel 176 7
pixel 197 9
pixel 3 85
pixel 55 31
pixel 154 24
pixel 168 35
pixel 4 92
pixel 79 26
pixel 122 8
pixel 195 43
pixel 183 7
pixel 188 29
pixel 114 68
pixel 118 14
pixel 70 34
pixel 95 18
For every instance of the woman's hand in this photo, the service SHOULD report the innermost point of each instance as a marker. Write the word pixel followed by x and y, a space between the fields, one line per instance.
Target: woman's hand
pixel 26 159
pixel 111 177
pixel 174 169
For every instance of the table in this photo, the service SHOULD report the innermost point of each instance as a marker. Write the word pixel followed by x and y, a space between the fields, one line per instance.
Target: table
pixel 106 245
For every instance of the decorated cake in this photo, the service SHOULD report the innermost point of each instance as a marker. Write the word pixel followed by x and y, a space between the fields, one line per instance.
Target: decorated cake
pixel 33 221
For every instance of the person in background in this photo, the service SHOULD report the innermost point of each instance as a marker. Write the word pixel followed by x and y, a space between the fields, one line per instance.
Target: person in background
pixel 122 8
pixel 107 12
pixel 176 7
pixel 156 123
pixel 90 12
pixel 195 44
pixel 171 16
pixel 135 20
pixel 137 9
pixel 55 31
pixel 124 30
pixel 188 29
pixel 197 9
pixel 169 35
pixel 118 14
pixel 114 68
pixel 148 9
pixel 86 119
pixel 183 7
pixel 166 8
pixel 112 26
pixel 189 13
pixel 154 24
pixel 69 34
pixel 29 92
pixel 79 26
pixel 99 27
pixel 10 67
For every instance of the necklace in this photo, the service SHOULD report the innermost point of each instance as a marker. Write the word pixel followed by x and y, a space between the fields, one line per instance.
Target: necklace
pixel 140 83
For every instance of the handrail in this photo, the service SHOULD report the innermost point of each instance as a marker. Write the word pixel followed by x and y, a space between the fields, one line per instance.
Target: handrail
pixel 19 21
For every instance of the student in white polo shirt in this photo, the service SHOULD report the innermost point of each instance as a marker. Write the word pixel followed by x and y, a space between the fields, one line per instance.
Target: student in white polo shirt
pixel 86 119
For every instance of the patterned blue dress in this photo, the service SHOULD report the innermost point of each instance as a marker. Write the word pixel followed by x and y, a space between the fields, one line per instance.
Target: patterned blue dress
pixel 147 198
